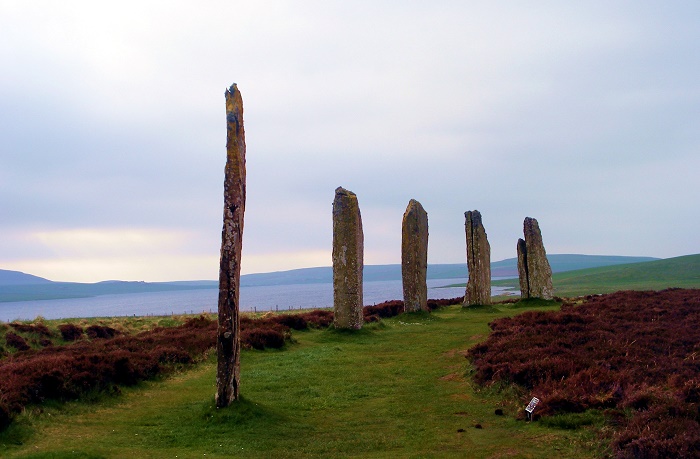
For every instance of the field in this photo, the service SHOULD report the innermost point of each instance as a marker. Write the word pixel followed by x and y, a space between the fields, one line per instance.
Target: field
pixel 401 387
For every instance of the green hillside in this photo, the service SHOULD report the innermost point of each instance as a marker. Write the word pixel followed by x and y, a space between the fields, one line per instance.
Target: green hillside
pixel 681 272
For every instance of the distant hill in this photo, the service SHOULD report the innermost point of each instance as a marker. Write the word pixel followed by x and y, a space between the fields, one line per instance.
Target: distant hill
pixel 371 273
pixel 16 286
pixel 503 268
pixel 566 262
pixel 682 272
pixel 20 278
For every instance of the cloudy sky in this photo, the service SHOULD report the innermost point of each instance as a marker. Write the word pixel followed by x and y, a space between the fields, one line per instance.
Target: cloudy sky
pixel 583 115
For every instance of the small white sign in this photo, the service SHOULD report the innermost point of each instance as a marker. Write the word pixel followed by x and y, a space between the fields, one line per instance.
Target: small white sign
pixel 533 403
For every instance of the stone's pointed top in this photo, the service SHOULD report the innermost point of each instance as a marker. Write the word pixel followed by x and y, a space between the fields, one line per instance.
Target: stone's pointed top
pixel 232 92
pixel 529 221
pixel 530 225
pixel 342 191
pixel 234 101
pixel 475 217
pixel 413 204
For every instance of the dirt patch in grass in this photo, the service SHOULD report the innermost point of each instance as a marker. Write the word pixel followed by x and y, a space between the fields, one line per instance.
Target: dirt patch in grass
pixel 452 377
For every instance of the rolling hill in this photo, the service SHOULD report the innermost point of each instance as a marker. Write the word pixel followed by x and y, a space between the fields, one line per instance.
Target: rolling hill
pixel 20 278
pixel 682 272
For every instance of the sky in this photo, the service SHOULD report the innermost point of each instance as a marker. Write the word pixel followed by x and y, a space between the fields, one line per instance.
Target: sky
pixel 583 115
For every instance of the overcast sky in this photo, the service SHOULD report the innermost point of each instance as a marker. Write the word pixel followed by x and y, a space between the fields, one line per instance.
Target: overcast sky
pixel 583 115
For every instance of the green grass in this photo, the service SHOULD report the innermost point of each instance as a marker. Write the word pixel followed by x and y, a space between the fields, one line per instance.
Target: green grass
pixel 682 272
pixel 397 388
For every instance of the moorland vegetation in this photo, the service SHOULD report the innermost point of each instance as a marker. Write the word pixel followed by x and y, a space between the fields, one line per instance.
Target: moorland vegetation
pixel 633 356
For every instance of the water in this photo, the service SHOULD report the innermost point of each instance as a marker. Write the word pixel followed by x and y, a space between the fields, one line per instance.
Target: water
pixel 259 298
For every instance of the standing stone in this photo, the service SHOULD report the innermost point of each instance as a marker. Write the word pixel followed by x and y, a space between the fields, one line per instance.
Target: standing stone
pixel 414 257
pixel 522 269
pixel 534 272
pixel 348 253
pixel 478 260
pixel 228 342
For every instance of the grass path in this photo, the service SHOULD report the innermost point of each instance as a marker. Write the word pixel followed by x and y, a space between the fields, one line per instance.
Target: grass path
pixel 395 389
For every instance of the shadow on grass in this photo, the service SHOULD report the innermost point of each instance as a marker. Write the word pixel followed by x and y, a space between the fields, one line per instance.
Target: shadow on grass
pixel 245 422
pixel 241 413
pixel 481 308
pixel 16 434
pixel 65 454
pixel 573 421
pixel 331 333
pixel 22 429
pixel 418 315
pixel 532 303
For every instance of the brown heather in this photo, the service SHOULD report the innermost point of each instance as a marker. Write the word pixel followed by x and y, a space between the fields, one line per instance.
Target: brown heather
pixel 622 353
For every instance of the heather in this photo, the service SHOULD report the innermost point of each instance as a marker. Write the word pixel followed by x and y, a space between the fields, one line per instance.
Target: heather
pixel 632 355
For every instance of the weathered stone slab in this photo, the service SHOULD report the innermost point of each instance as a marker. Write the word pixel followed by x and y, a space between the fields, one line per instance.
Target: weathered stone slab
pixel 478 260
pixel 348 260
pixel 522 269
pixel 228 345
pixel 533 267
pixel 414 257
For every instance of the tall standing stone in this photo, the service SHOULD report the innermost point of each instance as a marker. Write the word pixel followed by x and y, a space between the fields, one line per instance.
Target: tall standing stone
pixel 228 343
pixel 478 260
pixel 534 272
pixel 414 257
pixel 348 253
